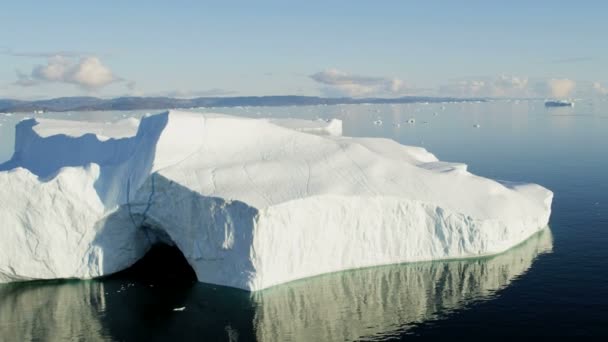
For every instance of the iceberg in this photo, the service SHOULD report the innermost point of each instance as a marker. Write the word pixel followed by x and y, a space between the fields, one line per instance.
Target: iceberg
pixel 251 203
pixel 559 103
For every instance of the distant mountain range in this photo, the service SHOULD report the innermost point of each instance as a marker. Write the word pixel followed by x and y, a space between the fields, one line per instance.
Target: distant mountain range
pixel 63 104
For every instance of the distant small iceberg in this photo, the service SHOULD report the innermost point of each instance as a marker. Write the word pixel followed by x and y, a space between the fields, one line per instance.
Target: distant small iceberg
pixel 559 103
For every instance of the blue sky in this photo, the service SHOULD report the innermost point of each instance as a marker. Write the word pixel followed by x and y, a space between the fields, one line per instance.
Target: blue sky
pixel 327 48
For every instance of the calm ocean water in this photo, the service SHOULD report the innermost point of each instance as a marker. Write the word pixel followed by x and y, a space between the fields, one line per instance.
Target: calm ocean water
pixel 556 283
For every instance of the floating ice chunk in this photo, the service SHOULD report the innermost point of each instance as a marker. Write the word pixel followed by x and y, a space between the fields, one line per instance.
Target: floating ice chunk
pixel 559 103
pixel 180 309
pixel 477 126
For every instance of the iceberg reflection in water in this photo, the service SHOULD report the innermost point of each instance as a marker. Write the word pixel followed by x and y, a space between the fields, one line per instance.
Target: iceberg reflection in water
pixel 366 303
pixel 382 300
pixel 51 311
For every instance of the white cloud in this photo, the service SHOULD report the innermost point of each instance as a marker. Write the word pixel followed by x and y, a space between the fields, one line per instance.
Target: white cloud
pixel 560 87
pixel 599 89
pixel 40 54
pixel 572 60
pixel 501 86
pixel 339 83
pixel 510 86
pixel 87 72
pixel 181 93
pixel 54 71
pixel 25 80
pixel 507 85
pixel 90 73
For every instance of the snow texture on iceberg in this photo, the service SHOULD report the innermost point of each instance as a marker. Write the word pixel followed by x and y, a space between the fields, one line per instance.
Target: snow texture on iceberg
pixel 251 203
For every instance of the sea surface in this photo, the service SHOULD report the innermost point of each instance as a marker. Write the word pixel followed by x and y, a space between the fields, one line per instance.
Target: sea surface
pixel 555 283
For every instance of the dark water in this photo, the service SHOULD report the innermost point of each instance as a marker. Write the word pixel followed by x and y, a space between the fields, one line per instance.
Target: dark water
pixel 556 283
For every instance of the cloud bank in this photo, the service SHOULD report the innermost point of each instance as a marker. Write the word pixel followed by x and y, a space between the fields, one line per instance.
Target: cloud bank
pixel 87 73
pixel 187 94
pixel 41 54
pixel 501 86
pixel 339 83
pixel 572 60
pixel 561 87
pixel 599 89
pixel 509 86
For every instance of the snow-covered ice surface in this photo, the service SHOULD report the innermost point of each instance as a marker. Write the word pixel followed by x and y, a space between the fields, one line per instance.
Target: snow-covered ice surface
pixel 251 203
pixel 319 126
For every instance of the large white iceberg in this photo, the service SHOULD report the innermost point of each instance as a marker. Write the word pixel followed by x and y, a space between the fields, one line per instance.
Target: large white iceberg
pixel 251 203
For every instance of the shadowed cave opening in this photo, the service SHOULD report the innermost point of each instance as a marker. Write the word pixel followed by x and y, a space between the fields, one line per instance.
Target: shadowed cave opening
pixel 162 264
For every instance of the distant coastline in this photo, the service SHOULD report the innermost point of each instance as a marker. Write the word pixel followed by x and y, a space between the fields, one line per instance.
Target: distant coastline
pixel 64 104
